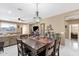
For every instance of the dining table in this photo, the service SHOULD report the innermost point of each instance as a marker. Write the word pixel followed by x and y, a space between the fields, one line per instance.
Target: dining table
pixel 36 45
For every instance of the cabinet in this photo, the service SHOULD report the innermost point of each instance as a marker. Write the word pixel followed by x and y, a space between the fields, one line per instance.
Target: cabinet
pixel 8 40
pixel 12 40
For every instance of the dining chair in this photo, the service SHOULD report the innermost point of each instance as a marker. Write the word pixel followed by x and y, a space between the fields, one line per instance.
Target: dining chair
pixel 19 47
pixel 22 49
pixel 2 46
pixel 50 49
pixel 26 50
pixel 57 47
pixel 24 36
pixel 42 53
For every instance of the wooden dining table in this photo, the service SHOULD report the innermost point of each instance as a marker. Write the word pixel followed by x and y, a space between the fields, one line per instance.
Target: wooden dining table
pixel 36 45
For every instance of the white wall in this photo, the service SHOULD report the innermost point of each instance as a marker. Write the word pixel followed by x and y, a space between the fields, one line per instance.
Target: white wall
pixel 25 29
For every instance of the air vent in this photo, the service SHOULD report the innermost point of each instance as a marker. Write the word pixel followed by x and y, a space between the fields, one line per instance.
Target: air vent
pixel 19 9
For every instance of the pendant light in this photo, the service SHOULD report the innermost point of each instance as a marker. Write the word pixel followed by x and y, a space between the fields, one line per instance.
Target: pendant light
pixel 37 17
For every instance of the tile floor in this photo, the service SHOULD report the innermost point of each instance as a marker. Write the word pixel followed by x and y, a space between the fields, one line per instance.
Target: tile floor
pixel 71 48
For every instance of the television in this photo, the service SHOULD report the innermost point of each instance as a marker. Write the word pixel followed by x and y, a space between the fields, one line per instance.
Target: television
pixel 35 28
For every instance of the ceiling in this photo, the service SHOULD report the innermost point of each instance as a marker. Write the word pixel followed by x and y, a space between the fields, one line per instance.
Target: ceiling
pixel 26 11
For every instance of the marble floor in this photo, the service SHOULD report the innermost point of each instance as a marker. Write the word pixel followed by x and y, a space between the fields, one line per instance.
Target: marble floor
pixel 71 48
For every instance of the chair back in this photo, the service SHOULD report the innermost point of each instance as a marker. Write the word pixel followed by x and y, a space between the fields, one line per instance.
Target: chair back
pixel 24 36
pixel 57 47
pixel 19 47
pixel 50 49
pixel 22 49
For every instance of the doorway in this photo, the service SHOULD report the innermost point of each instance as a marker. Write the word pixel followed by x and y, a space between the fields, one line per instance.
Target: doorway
pixel 73 31
pixel 35 28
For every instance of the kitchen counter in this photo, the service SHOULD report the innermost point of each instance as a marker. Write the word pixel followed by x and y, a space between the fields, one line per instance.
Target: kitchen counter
pixel 8 39
pixel 8 35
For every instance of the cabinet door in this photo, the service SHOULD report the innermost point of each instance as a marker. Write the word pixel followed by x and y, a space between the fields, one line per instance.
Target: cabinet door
pixel 12 40
pixel 1 39
pixel 6 41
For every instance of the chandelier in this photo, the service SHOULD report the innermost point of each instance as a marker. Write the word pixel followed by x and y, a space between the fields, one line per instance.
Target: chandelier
pixel 37 17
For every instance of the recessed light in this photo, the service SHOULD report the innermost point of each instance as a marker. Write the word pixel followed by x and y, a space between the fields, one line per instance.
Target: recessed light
pixel 9 12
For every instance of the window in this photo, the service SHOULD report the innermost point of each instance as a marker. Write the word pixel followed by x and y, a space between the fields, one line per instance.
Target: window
pixel 7 27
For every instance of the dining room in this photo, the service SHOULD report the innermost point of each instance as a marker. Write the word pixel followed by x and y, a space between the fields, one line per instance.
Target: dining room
pixel 37 29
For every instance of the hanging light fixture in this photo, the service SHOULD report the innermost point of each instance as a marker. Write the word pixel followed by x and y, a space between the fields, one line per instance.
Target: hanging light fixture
pixel 37 17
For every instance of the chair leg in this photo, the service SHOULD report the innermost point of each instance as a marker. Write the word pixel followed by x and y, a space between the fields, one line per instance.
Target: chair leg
pixel 52 54
pixel 58 53
pixel 2 49
pixel 18 54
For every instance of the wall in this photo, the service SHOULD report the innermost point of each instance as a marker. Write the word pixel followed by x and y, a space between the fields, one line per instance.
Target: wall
pixel 25 29
pixel 66 30
pixel 58 23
